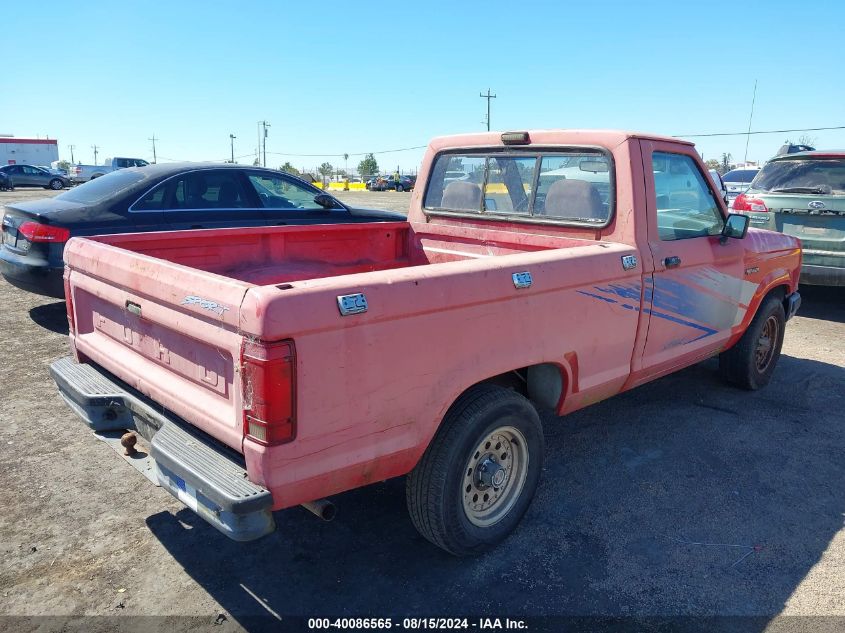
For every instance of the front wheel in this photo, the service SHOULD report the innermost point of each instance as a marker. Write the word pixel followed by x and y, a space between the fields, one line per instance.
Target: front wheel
pixel 751 362
pixel 56 184
pixel 479 474
pixel 400 188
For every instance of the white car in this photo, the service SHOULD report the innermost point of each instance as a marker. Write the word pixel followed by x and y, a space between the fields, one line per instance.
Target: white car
pixel 738 180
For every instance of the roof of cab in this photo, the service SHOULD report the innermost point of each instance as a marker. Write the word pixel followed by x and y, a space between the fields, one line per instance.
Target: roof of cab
pixel 601 138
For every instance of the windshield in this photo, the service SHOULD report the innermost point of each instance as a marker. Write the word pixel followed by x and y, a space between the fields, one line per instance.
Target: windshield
pixel 815 176
pixel 103 187
pixel 740 175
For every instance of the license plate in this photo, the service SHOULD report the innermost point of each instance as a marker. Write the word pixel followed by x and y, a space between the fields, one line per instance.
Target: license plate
pixel 187 494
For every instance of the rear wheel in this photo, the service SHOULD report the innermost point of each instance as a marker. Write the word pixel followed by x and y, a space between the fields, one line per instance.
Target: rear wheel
pixel 480 472
pixel 56 184
pixel 751 362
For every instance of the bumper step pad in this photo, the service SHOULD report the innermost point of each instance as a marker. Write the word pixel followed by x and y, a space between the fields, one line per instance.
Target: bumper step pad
pixel 207 477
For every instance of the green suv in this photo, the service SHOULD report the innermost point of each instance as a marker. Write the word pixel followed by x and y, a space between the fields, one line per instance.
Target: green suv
pixel 803 195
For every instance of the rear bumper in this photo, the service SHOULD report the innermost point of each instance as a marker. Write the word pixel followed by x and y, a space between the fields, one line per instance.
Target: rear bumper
pixel 205 476
pixel 36 277
pixel 815 275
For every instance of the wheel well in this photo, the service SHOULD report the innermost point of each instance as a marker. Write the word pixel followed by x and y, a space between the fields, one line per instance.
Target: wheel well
pixel 544 383
pixel 779 292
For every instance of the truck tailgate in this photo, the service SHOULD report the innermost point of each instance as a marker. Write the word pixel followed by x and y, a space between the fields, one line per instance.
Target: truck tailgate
pixel 167 330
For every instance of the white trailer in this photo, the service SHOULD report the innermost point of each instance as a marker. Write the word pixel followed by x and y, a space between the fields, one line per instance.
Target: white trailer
pixel 28 151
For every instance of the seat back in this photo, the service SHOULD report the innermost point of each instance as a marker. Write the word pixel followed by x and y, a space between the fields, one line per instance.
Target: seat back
pixel 574 199
pixel 462 196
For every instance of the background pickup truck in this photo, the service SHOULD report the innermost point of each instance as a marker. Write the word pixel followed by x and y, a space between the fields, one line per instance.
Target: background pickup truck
pixel 84 173
pixel 270 367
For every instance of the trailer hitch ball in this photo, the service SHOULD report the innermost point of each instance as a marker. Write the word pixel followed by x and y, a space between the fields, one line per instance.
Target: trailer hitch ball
pixel 128 441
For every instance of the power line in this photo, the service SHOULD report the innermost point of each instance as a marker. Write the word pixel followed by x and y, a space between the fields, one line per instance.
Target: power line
pixel 330 155
pixel 803 129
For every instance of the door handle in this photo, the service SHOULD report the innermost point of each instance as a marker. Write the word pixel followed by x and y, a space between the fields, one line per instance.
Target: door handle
pixel 672 262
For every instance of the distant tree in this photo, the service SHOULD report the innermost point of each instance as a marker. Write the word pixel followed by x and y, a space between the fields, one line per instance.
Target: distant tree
pixel 63 164
pixel 256 163
pixel 726 163
pixel 713 164
pixel 368 166
pixel 289 169
pixel 806 139
pixel 325 170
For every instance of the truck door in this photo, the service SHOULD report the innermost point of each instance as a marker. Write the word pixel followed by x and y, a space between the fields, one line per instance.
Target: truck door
pixel 697 294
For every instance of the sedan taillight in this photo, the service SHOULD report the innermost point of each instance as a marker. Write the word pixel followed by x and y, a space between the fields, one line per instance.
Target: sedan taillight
pixel 36 232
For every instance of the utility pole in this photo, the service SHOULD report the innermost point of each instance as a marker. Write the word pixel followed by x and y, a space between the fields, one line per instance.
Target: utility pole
pixel 264 125
pixel 71 148
pixel 232 138
pixel 487 96
pixel 94 147
pixel 154 139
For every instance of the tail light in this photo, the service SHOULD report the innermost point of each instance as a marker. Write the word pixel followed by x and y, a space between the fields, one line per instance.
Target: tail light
pixel 268 392
pixel 35 232
pixel 69 303
pixel 745 203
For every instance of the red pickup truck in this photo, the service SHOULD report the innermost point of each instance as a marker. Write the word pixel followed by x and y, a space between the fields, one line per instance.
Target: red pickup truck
pixel 271 367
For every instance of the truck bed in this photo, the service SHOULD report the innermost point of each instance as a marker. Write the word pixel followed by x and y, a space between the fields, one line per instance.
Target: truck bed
pixel 278 255
pixel 169 312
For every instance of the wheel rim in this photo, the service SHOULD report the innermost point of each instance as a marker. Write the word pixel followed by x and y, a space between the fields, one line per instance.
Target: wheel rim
pixel 494 476
pixel 57 184
pixel 766 344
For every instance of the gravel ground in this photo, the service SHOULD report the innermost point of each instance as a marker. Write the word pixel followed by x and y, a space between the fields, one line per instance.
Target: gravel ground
pixel 682 497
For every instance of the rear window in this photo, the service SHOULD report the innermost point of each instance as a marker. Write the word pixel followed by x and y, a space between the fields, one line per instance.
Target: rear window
pixel 740 175
pixel 568 186
pixel 813 176
pixel 97 190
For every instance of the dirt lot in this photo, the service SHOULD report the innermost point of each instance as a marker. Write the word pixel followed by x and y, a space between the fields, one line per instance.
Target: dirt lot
pixel 685 496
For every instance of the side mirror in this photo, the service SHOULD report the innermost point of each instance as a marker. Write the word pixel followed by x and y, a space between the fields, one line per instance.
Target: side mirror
pixel 736 226
pixel 325 200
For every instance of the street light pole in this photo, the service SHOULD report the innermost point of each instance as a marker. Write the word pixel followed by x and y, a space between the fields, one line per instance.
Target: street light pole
pixel 94 147
pixel 232 138
pixel 71 153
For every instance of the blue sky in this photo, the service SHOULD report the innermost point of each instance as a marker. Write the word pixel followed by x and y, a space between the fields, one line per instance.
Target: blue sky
pixel 334 78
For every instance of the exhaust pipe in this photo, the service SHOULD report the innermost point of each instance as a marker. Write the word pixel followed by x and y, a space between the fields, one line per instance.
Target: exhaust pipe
pixel 323 508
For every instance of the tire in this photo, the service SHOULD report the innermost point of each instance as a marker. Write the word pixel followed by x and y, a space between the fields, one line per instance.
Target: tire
pixel 56 184
pixel 399 188
pixel 751 362
pixel 445 492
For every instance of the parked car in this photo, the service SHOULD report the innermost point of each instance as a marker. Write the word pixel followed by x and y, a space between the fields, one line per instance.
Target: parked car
pixel 155 198
pixel 32 176
pixel 269 367
pixel 803 194
pixel 720 184
pixel 386 183
pixel 84 173
pixel 738 180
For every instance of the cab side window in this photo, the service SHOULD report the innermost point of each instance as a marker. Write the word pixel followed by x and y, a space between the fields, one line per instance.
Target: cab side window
pixel 686 207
